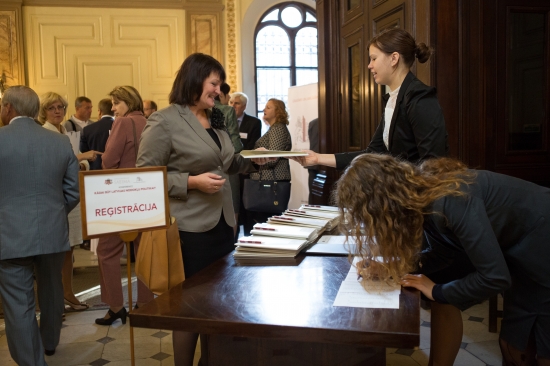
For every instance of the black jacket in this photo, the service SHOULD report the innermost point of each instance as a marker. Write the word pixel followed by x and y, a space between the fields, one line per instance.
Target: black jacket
pixel 417 130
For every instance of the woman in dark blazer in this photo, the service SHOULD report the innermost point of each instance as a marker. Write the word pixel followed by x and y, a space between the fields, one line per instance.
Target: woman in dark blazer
pixel 276 138
pixel 412 126
pixel 120 152
pixel 501 223
pixel 190 138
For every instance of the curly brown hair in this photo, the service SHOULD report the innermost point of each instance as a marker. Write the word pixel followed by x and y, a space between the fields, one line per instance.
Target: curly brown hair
pixel 382 203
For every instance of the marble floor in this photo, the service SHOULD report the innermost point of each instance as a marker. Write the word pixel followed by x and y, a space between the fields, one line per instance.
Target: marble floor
pixel 85 343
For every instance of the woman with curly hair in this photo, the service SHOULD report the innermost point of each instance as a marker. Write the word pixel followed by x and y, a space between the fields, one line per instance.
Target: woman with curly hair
pixel 501 223
pixel 190 138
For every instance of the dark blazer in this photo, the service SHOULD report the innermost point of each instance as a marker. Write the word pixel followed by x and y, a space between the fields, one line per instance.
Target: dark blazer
pixel 252 127
pixel 174 137
pixel 503 225
pixel 417 130
pixel 94 137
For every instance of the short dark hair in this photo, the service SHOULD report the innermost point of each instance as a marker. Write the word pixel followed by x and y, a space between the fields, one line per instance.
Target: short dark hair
pixel 105 105
pixel 187 87
pixel 78 101
pixel 153 105
pixel 225 88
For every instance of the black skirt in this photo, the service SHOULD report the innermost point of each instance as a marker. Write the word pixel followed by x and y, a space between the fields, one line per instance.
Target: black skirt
pixel 199 250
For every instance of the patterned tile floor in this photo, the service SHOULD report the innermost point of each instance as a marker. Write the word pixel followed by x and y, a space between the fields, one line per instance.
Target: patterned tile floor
pixel 85 343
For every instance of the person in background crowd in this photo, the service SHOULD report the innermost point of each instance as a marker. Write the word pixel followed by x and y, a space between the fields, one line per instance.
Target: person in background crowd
pixel 81 117
pixel 313 135
pixel 120 152
pixel 250 129
pixel 233 129
pixel 190 138
pixel 149 107
pixel 94 136
pixel 51 114
pixel 500 222
pixel 276 138
pixel 40 171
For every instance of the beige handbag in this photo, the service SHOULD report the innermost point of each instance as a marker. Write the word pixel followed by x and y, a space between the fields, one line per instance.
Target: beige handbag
pixel 159 263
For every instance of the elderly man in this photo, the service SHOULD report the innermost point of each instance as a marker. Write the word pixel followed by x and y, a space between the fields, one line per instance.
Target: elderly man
pixel 39 181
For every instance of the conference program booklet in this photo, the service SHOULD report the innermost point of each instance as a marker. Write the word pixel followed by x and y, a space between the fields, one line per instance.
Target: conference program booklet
pixel 250 154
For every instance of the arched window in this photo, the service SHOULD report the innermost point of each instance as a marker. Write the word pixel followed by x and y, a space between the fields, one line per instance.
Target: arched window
pixel 285 51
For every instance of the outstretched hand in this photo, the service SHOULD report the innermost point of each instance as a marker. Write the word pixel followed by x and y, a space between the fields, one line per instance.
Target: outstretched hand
pixel 419 282
pixel 309 160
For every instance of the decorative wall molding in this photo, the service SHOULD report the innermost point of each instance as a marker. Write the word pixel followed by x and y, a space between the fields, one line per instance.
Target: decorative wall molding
pixel 231 65
pixel 11 39
pixel 210 5
pixel 204 34
pixel 74 54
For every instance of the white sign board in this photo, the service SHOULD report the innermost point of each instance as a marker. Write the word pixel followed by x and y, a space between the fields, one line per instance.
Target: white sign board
pixel 123 200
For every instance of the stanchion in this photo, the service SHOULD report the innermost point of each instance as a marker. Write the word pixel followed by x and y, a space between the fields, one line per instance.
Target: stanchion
pixel 128 237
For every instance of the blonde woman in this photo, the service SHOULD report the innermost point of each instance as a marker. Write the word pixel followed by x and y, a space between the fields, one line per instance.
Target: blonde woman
pixel 501 223
pixel 52 112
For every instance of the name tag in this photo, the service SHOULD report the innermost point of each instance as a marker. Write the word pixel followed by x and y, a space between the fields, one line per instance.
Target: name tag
pixel 243 135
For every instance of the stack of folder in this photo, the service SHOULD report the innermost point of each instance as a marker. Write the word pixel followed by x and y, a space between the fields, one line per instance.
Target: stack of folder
pixel 284 236
pixel 268 247
pixel 328 213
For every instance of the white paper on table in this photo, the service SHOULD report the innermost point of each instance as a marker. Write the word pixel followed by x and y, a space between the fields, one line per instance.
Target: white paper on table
pixel 380 295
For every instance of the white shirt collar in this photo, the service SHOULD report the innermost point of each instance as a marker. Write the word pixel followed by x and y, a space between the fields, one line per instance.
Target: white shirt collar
pixel 51 127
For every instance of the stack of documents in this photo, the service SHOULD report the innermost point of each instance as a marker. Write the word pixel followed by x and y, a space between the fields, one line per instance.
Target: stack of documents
pixel 328 213
pixel 285 219
pixel 286 231
pixel 268 247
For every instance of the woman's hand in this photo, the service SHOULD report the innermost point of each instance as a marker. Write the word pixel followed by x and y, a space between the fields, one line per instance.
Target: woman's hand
pixel 89 155
pixel 419 282
pixel 309 160
pixel 262 161
pixel 206 182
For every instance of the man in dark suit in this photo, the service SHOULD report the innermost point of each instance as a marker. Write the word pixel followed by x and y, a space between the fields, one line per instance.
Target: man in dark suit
pixel 39 181
pixel 94 136
pixel 250 129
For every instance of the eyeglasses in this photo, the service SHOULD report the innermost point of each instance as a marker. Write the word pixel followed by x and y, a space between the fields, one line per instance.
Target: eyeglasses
pixel 54 108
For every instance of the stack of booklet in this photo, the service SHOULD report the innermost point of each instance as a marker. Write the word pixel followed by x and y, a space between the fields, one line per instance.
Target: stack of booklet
pixel 328 213
pixel 268 247
pixel 284 236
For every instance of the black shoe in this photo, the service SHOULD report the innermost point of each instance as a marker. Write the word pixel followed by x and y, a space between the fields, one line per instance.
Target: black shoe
pixel 85 245
pixel 49 352
pixel 121 314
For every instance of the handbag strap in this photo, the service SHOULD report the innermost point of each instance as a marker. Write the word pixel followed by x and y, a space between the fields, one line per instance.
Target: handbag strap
pixel 135 138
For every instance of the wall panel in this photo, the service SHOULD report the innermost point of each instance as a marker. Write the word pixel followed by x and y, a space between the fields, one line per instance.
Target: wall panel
pixel 74 54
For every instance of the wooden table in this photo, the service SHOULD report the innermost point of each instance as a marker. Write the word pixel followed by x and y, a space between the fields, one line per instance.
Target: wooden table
pixel 281 315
